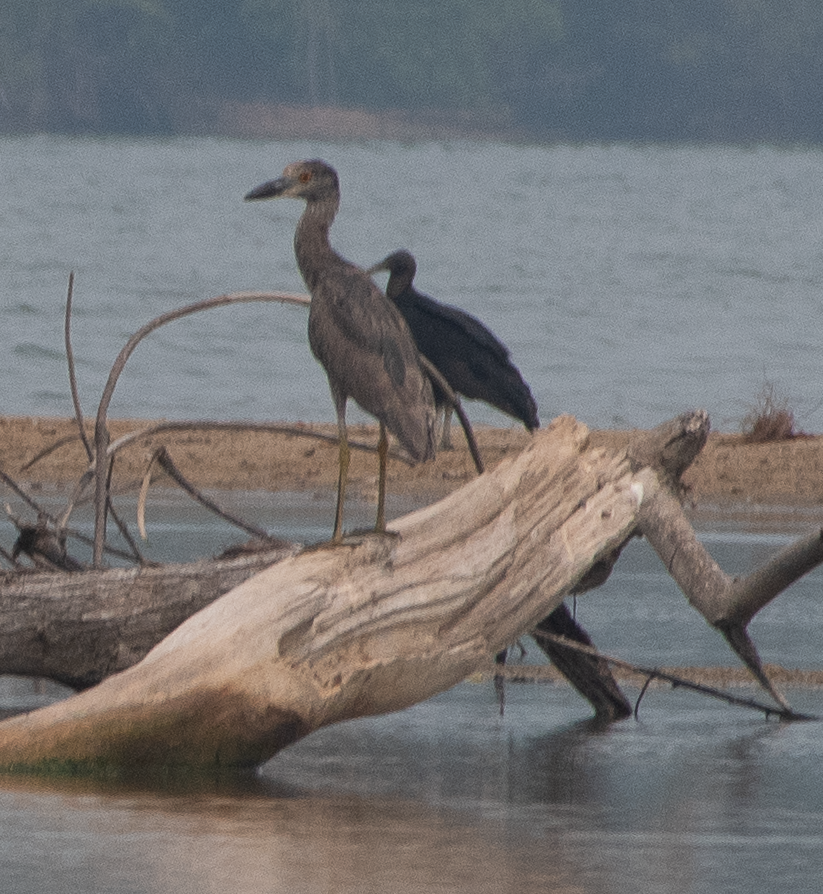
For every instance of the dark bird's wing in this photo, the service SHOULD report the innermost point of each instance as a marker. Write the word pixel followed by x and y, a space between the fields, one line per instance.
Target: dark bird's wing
pixel 470 357
pixel 461 323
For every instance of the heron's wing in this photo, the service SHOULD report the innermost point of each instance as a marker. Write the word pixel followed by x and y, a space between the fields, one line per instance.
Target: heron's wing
pixel 370 326
pixel 369 355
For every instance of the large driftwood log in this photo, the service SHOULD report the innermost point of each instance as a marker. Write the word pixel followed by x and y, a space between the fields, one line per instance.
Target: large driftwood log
pixel 377 623
pixel 79 628
pixel 373 625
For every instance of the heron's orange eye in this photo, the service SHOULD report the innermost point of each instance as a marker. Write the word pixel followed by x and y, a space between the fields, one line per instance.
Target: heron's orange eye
pixel 305 176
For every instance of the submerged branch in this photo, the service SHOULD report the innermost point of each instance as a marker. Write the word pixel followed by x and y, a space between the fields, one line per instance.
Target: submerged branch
pixel 656 673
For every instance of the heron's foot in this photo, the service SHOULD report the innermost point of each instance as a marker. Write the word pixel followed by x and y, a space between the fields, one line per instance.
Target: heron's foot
pixel 357 537
pixel 365 533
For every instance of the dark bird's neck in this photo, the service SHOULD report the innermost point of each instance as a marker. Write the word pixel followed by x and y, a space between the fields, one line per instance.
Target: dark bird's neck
pixel 398 289
pixel 311 239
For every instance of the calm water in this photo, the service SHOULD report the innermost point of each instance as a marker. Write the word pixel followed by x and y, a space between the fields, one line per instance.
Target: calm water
pixel 630 284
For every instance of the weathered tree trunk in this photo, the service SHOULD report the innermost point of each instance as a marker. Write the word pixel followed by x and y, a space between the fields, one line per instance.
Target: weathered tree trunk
pixel 373 625
pixel 81 627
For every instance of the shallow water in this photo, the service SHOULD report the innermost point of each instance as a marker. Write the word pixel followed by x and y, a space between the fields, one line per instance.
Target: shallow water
pixel 447 796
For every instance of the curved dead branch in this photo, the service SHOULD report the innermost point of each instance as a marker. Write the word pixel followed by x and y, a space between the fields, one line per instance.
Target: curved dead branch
pixel 101 434
pixel 75 396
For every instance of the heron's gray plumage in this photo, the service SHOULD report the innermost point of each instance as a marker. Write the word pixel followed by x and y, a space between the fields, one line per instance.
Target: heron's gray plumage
pixel 357 334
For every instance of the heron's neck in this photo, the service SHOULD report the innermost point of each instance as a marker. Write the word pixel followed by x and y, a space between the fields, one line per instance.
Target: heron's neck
pixel 311 239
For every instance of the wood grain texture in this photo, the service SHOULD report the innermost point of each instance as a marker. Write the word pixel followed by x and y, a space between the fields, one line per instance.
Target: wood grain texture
pixel 372 625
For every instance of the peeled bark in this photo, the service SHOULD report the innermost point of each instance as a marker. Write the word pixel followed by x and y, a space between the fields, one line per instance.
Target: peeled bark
pixel 373 625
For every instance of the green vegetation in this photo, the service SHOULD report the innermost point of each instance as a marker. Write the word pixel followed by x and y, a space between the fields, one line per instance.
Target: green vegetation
pixel 738 70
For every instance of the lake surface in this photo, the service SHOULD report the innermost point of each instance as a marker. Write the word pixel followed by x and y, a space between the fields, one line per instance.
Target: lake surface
pixel 630 283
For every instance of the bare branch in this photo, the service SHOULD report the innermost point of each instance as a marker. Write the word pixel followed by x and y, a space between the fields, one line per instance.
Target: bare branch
pixel 77 494
pixel 727 603
pixel 206 424
pixel 749 594
pixel 144 492
pixel 656 673
pixel 436 376
pixel 61 522
pixel 75 397
pixel 121 525
pixel 282 428
pixel 47 451
pixel 11 483
pixel 164 460
pixel 101 434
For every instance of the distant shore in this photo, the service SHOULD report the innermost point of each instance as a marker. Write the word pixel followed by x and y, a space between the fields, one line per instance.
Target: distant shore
pixel 283 121
pixel 303 457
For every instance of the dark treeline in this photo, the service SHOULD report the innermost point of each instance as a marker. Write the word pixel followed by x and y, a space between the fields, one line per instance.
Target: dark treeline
pixel 734 70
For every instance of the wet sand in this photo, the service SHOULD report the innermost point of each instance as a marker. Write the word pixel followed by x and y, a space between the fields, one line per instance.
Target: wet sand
pixel 303 457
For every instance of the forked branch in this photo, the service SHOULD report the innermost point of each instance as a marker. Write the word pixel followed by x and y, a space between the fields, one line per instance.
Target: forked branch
pixel 727 603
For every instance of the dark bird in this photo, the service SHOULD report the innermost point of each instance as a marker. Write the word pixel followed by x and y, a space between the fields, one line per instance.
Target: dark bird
pixel 469 356
pixel 356 333
pixel 45 547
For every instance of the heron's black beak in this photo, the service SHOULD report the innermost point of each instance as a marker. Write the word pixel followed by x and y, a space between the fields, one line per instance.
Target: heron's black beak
pixel 268 190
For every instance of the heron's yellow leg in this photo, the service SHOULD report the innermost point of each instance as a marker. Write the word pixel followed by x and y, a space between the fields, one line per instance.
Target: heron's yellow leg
pixel 382 456
pixel 342 478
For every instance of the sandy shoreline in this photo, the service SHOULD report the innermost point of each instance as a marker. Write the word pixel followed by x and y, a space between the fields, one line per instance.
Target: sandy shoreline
pixel 303 457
